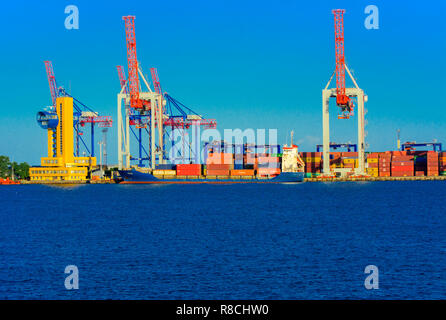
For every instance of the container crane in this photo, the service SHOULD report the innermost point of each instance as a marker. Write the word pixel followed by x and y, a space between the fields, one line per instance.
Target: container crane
pixel 150 112
pixel 135 101
pixel 342 100
pixel 81 113
pixel 343 97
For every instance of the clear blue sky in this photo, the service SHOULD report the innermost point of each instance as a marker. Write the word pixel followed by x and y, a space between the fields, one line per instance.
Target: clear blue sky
pixel 249 64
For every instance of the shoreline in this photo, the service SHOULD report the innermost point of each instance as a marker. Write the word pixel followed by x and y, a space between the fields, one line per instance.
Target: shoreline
pixel 318 179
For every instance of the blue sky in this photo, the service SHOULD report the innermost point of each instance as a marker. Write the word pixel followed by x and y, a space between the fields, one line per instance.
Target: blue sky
pixel 248 64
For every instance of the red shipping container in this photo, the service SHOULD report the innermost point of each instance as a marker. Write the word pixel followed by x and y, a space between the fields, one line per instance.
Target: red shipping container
pixel 402 158
pixel 188 169
pixel 349 154
pixel 402 168
pixel 419 173
pixel 399 153
pixel 402 163
pixel 193 167
pixel 384 174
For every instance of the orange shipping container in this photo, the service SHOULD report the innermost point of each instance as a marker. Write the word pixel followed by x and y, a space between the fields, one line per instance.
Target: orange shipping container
pixel 218 166
pixel 217 172
pixel 244 172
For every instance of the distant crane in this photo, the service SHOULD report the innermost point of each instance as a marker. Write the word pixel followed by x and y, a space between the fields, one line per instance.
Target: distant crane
pixel 343 97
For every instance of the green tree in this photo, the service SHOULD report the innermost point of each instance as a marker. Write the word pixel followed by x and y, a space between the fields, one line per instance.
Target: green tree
pixel 4 166
pixel 22 170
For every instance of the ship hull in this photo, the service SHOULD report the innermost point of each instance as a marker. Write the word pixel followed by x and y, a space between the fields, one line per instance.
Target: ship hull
pixel 137 177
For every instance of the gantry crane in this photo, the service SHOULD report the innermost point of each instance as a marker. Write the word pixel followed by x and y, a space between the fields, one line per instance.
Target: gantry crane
pixel 344 98
pixel 149 112
pixel 82 114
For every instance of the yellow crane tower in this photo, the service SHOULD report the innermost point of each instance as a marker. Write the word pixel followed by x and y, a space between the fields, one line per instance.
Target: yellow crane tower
pixel 60 164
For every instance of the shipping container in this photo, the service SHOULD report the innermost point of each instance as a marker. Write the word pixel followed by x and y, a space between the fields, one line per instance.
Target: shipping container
pixel 217 172
pixel 244 172
pixel 218 167
pixel 268 171
pixel 402 163
pixel 189 169
pixel 268 159
pixel 349 154
pixel 220 158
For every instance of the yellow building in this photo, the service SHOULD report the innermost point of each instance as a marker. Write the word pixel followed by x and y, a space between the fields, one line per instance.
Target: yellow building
pixel 61 164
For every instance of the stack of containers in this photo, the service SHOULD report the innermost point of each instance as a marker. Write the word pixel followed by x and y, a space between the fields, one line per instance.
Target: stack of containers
pixel 250 161
pixel 373 164
pixel 384 160
pixel 238 161
pixel 442 163
pixel 165 170
pixel 432 164
pixel 402 164
pixel 268 166
pixel 219 164
pixel 335 160
pixel 220 158
pixel 189 170
pixel 313 163
pixel 349 160
pixel 249 157
pixel 420 163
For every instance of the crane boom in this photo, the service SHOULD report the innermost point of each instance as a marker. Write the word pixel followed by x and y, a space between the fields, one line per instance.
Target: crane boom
pixel 155 80
pixel 51 81
pixel 135 102
pixel 122 79
pixel 342 100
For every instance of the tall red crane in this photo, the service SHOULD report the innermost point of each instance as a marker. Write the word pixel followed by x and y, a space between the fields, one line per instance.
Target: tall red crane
pixel 135 102
pixel 342 100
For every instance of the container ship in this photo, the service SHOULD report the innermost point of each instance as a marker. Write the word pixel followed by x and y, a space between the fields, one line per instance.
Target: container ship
pixel 246 166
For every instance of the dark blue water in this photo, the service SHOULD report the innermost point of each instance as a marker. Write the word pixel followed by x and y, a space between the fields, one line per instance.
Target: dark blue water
pixel 290 241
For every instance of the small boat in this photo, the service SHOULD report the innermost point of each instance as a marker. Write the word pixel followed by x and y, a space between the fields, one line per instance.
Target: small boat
pixel 8 181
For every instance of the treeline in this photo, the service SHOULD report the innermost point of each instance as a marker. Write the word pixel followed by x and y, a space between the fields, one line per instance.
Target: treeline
pixel 21 170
